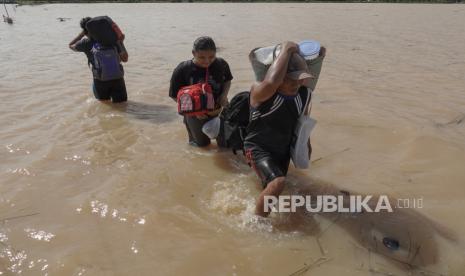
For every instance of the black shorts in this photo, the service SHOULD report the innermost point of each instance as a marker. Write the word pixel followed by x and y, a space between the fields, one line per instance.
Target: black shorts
pixel 267 166
pixel 114 90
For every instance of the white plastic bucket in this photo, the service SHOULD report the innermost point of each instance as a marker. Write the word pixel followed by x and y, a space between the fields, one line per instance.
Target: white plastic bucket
pixel 309 49
pixel 262 58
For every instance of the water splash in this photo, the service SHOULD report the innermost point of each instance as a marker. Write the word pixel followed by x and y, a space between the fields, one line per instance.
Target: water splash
pixel 99 208
pixel 3 237
pixel 133 248
pixel 78 158
pixel 103 211
pixel 234 201
pixel 39 235
pixel 12 149
pixel 15 258
pixel 21 171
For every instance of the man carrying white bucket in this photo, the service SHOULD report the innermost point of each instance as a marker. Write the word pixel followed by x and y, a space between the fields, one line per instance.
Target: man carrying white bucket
pixel 276 104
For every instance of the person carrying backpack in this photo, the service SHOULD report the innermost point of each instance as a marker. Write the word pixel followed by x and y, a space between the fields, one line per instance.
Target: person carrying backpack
pixel 276 103
pixel 200 87
pixel 102 42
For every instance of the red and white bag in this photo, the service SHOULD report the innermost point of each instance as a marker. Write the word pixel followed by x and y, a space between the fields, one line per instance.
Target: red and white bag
pixel 196 99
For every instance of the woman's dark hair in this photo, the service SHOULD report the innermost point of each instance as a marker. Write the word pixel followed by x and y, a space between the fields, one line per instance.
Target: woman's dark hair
pixel 204 43
pixel 83 23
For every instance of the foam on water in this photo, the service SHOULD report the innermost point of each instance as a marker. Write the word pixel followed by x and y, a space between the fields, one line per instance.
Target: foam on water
pixel 234 202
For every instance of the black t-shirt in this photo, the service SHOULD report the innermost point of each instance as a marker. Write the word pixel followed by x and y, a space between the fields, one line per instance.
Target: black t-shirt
pixel 187 73
pixel 273 122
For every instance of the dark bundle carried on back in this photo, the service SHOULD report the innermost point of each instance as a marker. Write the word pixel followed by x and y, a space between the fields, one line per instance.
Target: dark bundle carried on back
pixel 104 30
pixel 234 122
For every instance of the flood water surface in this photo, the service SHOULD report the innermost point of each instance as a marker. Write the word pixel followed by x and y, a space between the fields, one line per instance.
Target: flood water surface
pixel 93 189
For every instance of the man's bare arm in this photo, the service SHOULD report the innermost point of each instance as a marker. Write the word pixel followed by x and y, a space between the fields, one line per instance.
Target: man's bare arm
pixel 264 90
pixel 123 53
pixel 73 42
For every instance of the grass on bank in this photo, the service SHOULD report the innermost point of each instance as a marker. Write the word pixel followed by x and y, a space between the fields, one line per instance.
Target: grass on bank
pixel 34 2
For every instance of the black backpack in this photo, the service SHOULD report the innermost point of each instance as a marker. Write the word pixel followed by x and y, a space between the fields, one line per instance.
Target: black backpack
pixel 102 29
pixel 234 122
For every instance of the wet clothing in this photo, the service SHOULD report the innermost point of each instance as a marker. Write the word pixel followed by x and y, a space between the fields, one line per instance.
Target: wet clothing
pixel 266 165
pixel 188 73
pixel 270 133
pixel 194 130
pixel 114 90
pixel 103 90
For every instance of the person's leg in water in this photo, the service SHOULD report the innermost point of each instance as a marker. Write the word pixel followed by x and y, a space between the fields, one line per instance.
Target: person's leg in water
pixel 101 91
pixel 194 130
pixel 272 171
pixel 273 188
pixel 118 91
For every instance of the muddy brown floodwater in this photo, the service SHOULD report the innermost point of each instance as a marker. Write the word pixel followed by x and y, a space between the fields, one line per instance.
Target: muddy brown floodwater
pixel 91 189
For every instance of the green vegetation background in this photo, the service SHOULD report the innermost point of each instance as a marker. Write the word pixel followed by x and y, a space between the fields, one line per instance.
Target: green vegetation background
pixel 32 2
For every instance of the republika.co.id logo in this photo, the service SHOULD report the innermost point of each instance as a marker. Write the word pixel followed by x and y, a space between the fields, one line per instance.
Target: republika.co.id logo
pixel 340 203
